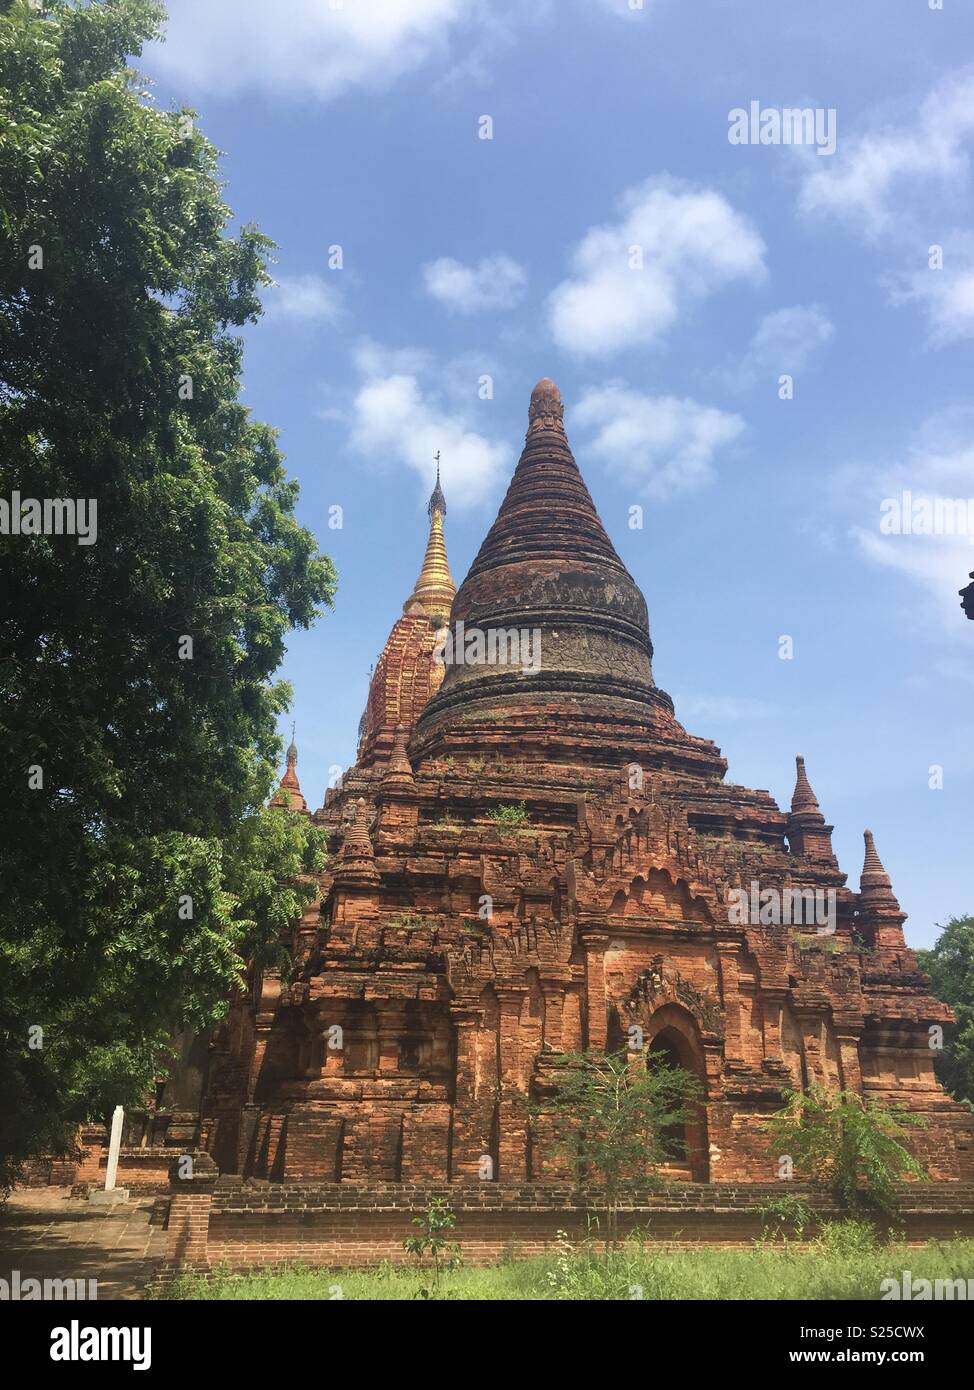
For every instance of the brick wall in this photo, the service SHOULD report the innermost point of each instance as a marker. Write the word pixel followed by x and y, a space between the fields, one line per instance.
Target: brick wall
pixel 249 1226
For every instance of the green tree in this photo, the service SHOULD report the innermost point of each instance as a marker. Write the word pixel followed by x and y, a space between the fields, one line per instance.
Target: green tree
pixel 617 1116
pixel 846 1145
pixel 950 965
pixel 137 702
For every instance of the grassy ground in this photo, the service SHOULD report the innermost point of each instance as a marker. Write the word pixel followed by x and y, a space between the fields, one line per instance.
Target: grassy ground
pixel 846 1263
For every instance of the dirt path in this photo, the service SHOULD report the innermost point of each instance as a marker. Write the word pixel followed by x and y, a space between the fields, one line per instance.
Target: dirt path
pixel 47 1234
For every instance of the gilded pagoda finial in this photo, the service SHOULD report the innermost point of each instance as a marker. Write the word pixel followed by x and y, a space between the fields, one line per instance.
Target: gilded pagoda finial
pixel 434 590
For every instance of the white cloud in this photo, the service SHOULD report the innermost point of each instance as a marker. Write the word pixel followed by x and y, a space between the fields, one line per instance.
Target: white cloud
pixel 938 465
pixel 496 282
pixel 373 359
pixel 397 417
pixel 302 48
pixel 305 298
pixel 784 341
pixel 661 442
pixel 859 185
pixel 691 242
pixel 946 295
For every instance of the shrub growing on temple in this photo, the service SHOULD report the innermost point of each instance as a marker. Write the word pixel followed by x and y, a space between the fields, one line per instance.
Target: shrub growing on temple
pixel 137 702
pixel 848 1146
pixel 616 1116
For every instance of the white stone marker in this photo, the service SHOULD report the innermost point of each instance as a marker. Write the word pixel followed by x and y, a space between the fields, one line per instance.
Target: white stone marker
pixel 114 1144
pixel 112 1193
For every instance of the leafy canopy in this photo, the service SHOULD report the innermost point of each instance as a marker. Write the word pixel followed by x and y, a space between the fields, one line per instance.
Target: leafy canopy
pixel 950 965
pixel 135 774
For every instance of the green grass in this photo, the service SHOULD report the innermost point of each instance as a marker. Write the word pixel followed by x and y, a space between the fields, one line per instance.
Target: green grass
pixel 841 1265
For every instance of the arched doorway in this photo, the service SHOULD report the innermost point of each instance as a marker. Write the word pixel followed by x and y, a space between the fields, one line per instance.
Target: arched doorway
pixel 674 1039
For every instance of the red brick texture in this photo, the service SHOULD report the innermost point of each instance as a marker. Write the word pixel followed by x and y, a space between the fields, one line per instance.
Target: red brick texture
pixel 336 1225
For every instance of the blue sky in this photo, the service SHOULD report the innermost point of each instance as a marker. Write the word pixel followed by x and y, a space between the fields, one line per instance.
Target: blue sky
pixel 357 125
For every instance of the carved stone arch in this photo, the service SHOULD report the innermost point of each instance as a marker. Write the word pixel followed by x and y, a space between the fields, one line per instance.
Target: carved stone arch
pixel 660 987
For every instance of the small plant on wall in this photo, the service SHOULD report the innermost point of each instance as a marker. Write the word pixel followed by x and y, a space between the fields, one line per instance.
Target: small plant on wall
pixel 431 1243
pixel 847 1146
pixel 509 815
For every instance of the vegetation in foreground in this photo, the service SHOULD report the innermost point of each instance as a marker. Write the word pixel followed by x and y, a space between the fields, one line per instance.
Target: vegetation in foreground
pixel 950 965
pixel 142 870
pixel 846 1262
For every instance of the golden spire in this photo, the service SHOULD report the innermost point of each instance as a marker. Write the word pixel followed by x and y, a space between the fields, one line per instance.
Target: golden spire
pixel 434 589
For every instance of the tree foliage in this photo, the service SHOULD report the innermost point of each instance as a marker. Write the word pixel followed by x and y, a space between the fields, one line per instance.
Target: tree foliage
pixel 135 775
pixel 950 965
pixel 617 1114
pixel 846 1145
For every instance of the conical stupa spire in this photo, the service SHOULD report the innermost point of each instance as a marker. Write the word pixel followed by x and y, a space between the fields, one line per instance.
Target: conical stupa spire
pixel 873 873
pixel 434 590
pixel 289 793
pixel 548 515
pixel 548 573
pixel 808 835
pixel 399 772
pixel 879 910
pixel 803 800
pixel 357 861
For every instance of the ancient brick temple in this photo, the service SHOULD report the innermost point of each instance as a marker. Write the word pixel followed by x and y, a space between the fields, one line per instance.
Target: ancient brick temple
pixel 459 946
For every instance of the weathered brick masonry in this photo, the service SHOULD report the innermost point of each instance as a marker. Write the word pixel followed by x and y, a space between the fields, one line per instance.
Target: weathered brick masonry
pixel 449 958
pixel 340 1225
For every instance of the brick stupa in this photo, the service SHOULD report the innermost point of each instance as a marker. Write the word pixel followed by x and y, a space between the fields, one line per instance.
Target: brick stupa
pixel 456 949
